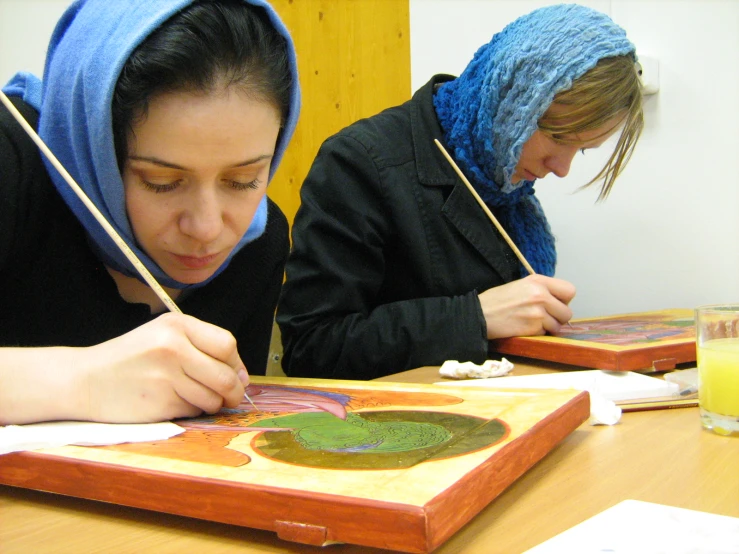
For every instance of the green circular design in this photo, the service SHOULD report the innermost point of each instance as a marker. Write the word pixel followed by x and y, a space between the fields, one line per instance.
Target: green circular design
pixel 396 439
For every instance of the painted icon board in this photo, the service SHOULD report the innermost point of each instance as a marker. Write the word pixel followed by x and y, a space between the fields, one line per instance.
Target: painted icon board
pixel 381 464
pixel 657 340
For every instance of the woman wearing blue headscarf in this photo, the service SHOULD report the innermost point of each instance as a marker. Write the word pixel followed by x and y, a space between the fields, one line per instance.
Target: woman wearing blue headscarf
pixel 394 265
pixel 172 116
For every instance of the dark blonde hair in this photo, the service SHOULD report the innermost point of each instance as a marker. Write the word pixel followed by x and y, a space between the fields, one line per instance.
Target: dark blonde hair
pixel 609 90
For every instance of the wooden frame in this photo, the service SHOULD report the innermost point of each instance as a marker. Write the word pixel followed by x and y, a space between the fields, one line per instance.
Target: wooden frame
pixel 218 470
pixel 656 341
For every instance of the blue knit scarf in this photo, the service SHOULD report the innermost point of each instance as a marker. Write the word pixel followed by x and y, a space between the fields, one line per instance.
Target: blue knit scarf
pixel 492 109
pixel 89 46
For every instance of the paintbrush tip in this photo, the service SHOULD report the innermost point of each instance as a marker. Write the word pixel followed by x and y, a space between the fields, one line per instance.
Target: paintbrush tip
pixel 251 402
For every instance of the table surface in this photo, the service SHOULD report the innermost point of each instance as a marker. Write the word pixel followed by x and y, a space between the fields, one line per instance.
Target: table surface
pixel 661 456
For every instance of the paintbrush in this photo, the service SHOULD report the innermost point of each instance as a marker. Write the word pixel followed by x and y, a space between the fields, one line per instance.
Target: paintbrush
pixel 112 233
pixel 490 215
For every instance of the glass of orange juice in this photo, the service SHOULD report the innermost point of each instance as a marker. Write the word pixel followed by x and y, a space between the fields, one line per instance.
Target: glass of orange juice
pixel 717 336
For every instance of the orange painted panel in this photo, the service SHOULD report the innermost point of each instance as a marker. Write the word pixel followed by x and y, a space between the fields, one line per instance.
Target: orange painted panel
pixel 381 464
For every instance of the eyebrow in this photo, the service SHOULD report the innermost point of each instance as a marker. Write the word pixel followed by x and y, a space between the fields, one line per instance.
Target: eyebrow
pixel 157 161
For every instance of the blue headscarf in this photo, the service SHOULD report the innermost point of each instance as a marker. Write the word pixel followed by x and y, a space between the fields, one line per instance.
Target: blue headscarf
pixel 90 45
pixel 493 107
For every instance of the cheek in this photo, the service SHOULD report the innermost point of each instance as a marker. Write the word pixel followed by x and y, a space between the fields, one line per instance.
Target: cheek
pixel 146 215
pixel 534 147
pixel 242 212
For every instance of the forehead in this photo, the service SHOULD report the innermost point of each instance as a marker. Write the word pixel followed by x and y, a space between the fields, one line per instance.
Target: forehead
pixel 223 119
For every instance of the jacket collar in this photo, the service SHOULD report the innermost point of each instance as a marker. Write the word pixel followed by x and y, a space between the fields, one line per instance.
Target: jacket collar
pixel 460 208
pixel 432 168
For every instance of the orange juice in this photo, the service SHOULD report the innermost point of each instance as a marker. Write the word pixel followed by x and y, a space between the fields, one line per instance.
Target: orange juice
pixel 718 369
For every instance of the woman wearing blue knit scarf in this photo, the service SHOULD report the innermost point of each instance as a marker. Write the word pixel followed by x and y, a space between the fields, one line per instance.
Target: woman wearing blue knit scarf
pixel 394 265
pixel 172 116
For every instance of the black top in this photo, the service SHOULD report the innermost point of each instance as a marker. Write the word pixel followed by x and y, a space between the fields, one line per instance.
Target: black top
pixel 390 251
pixel 55 292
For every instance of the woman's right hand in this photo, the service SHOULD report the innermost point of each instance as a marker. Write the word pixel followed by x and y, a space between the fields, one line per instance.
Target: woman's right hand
pixel 534 305
pixel 174 366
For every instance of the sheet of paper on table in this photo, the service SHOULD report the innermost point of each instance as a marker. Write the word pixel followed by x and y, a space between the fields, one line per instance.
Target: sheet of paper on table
pixel 636 527
pixel 611 385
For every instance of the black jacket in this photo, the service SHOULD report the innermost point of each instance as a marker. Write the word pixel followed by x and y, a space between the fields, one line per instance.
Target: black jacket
pixel 390 251
pixel 55 292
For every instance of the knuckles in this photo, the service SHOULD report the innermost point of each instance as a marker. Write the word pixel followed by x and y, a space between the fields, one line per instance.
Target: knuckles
pixel 224 381
pixel 229 341
pixel 212 405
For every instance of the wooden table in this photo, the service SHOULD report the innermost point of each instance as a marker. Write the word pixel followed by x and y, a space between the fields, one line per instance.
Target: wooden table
pixel 660 456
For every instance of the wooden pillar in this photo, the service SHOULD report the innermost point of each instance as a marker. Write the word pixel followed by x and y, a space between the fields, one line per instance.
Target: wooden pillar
pixel 354 61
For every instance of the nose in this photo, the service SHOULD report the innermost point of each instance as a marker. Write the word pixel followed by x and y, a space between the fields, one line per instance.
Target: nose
pixel 202 219
pixel 560 162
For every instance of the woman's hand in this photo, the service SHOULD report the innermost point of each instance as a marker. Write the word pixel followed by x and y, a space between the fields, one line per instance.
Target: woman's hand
pixel 174 366
pixel 534 305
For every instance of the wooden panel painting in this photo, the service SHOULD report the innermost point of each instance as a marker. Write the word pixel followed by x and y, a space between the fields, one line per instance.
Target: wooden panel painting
pixel 389 465
pixel 656 340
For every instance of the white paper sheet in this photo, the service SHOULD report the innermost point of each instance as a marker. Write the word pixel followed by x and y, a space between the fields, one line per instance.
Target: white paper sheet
pixel 611 385
pixel 14 438
pixel 636 527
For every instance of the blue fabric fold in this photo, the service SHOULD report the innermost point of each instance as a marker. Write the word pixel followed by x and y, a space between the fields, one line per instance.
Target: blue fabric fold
pixel 493 107
pixel 88 48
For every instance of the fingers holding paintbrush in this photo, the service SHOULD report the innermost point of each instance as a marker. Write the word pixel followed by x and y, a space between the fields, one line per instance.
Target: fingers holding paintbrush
pixel 525 307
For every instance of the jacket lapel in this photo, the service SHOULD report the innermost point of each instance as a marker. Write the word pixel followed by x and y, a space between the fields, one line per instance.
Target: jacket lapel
pixel 460 208
pixel 463 212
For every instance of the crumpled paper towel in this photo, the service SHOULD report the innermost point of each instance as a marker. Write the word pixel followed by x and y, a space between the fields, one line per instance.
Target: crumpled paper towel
pixel 15 438
pixel 469 370
pixel 603 411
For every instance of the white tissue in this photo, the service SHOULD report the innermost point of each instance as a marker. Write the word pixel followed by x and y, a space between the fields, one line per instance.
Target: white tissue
pixel 15 438
pixel 603 411
pixel 468 370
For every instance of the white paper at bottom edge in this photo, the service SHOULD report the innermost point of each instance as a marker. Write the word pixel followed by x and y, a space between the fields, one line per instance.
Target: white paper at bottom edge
pixel 636 527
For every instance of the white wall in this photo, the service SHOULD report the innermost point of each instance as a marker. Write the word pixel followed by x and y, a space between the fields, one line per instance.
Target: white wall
pixel 25 28
pixel 667 235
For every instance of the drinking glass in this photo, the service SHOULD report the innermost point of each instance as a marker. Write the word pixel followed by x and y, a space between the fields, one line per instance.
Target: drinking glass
pixel 717 350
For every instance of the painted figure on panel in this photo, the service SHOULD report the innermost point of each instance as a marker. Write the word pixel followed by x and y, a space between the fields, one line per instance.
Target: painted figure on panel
pixel 337 429
pixel 630 330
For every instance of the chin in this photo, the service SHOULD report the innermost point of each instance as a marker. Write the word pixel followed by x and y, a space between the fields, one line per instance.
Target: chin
pixel 193 276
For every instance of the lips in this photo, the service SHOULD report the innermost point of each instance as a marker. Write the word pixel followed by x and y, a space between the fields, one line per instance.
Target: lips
pixel 196 262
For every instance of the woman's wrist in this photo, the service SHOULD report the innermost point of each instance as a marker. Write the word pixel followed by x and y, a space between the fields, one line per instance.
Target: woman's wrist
pixel 42 384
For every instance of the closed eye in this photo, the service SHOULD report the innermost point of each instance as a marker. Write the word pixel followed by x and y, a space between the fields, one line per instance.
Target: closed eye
pixel 238 185
pixel 161 187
